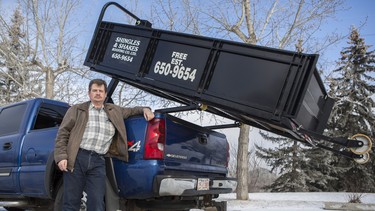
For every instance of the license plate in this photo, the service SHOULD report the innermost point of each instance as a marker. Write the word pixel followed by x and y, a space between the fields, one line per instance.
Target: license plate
pixel 203 184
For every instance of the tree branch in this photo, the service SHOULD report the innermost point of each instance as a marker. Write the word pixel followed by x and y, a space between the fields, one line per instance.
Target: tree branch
pixel 287 36
pixel 269 15
pixel 249 23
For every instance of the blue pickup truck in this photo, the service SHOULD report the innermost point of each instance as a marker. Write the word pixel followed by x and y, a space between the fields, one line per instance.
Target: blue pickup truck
pixel 173 164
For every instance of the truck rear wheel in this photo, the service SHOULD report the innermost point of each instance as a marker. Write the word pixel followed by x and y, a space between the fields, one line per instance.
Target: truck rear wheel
pixel 59 198
pixel 132 205
pixel 217 206
pixel 13 209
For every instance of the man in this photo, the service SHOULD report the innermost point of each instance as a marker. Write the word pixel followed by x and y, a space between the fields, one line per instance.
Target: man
pixel 88 132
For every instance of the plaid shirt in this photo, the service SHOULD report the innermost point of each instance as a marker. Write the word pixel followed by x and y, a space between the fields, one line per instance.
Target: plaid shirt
pixel 99 131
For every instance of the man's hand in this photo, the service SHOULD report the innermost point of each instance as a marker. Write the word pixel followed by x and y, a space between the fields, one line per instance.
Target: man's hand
pixel 148 114
pixel 63 164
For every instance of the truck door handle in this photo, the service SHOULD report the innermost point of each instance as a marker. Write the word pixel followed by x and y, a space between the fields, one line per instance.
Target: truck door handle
pixel 7 146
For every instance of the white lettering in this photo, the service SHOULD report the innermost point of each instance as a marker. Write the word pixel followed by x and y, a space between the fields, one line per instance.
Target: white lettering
pixel 128 41
pixel 175 71
pixel 179 55
pixel 122 57
pixel 176 61
pixel 125 49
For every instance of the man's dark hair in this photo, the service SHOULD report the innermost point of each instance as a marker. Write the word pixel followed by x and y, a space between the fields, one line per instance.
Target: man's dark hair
pixel 98 82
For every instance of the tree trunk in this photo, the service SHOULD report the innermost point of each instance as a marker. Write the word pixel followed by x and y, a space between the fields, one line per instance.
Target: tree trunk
pixel 50 83
pixel 242 163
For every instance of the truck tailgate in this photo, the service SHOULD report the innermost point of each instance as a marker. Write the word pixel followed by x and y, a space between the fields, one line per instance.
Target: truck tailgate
pixel 190 147
pixel 188 151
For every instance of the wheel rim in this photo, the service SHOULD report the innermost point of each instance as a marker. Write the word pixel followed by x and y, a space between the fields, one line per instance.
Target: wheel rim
pixel 364 159
pixel 367 144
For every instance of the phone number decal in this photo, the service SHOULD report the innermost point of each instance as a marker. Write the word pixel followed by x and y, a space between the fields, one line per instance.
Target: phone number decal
pixel 122 57
pixel 175 68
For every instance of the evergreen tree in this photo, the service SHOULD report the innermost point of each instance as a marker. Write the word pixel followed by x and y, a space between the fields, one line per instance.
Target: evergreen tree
pixel 318 166
pixel 12 75
pixel 302 167
pixel 286 159
pixel 352 86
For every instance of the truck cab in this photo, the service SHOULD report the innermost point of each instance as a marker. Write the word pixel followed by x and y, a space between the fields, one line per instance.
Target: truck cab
pixel 27 135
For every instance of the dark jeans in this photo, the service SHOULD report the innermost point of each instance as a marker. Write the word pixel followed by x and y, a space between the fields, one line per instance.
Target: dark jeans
pixel 89 176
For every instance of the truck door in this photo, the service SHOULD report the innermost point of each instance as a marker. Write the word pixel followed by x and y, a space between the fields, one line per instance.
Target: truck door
pixel 11 124
pixel 38 145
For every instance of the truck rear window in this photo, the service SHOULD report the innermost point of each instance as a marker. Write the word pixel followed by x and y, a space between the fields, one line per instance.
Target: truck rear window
pixel 11 119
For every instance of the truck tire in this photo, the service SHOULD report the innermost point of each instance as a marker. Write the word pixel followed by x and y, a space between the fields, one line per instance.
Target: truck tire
pixel 13 209
pixel 211 209
pixel 217 206
pixel 221 206
pixel 132 205
pixel 59 197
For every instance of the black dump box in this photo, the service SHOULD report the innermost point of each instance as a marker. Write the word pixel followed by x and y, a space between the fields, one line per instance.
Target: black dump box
pixel 271 89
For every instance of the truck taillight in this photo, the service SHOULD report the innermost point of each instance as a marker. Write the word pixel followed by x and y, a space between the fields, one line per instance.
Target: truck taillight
pixel 155 139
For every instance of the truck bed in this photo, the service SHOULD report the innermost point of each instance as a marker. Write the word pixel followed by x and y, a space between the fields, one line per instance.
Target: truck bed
pixel 190 152
pixel 268 88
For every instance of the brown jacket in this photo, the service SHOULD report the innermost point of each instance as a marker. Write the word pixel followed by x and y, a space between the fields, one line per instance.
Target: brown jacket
pixel 71 131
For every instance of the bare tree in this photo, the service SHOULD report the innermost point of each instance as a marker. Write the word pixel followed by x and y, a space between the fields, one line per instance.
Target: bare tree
pixel 52 38
pixel 273 23
pixel 55 39
pixel 258 176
